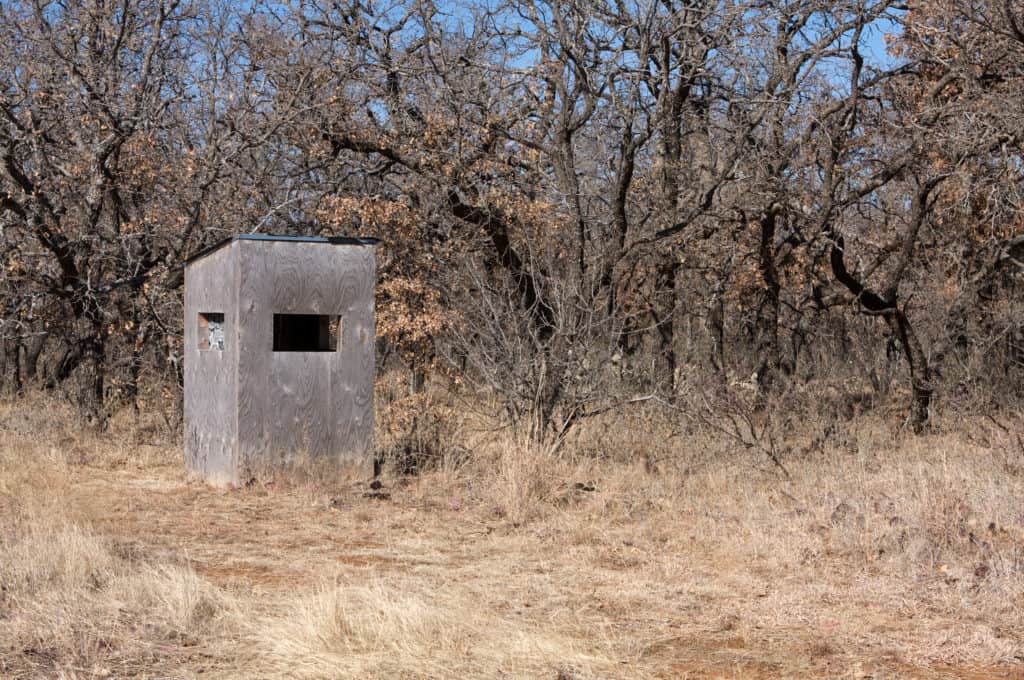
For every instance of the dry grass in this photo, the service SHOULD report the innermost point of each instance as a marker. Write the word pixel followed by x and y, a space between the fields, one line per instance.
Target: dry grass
pixel 649 556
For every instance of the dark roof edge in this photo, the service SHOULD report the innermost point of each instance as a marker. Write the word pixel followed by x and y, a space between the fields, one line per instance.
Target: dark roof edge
pixel 332 240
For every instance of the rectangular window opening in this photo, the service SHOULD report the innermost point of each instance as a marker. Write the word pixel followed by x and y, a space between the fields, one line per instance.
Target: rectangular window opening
pixel 211 330
pixel 307 332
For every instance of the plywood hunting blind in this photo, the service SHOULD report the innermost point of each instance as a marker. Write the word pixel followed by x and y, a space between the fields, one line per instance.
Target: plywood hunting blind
pixel 279 355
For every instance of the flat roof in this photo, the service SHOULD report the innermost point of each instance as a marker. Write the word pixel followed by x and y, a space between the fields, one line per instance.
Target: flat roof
pixel 331 240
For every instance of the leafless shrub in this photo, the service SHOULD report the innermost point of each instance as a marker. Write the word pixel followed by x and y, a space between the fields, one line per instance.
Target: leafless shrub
pixel 419 432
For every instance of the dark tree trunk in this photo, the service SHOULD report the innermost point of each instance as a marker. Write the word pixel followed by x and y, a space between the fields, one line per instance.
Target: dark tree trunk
pixel 665 322
pixel 93 372
pixel 16 369
pixel 716 330
pixel 5 352
pixel 140 338
pixel 417 377
pixel 33 348
pixel 920 374
pixel 896 318
pixel 768 315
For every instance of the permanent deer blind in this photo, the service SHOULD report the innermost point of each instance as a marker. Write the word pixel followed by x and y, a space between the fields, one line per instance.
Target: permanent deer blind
pixel 279 355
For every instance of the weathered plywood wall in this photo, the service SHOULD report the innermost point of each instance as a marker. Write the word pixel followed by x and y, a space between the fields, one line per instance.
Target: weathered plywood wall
pixel 296 406
pixel 211 422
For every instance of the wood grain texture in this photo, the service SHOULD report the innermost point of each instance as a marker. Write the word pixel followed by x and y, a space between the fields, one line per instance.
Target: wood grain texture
pixel 360 361
pixel 256 338
pixel 210 404
pixel 301 426
pixel 296 406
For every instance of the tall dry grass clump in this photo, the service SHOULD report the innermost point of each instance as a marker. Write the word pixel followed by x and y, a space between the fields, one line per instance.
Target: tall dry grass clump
pixel 350 630
pixel 524 479
pixel 74 603
pixel 397 627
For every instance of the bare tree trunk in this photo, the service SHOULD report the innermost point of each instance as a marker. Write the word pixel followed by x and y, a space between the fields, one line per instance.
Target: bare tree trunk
pixel 16 372
pixel 417 377
pixel 896 318
pixel 716 330
pixel 33 348
pixel 10 357
pixel 93 373
pixel 5 352
pixel 920 374
pixel 665 322
pixel 768 314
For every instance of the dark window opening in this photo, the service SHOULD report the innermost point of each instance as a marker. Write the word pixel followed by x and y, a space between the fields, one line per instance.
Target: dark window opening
pixel 211 330
pixel 306 332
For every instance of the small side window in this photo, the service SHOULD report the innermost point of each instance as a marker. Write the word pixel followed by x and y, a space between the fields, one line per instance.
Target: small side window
pixel 211 330
pixel 307 332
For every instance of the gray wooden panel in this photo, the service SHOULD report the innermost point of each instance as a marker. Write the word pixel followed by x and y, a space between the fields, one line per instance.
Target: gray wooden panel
pixel 313 279
pixel 210 413
pixel 361 364
pixel 300 390
pixel 256 336
pixel 352 373
pixel 296 404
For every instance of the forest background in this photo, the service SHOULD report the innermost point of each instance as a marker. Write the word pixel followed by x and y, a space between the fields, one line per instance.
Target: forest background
pixel 583 206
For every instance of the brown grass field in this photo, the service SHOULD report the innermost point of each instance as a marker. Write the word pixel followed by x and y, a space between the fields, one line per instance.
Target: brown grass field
pixel 883 556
